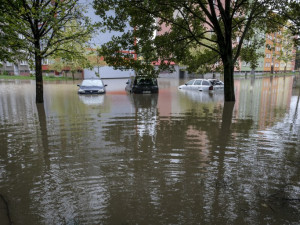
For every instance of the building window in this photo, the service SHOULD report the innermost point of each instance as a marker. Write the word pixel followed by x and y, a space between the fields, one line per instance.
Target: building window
pixel 268 56
pixel 8 64
pixel 45 62
pixel 23 63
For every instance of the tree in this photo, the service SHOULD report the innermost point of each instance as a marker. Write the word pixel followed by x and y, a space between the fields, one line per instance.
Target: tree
pixel 9 42
pixel 96 60
pixel 76 56
pixel 40 25
pixel 210 25
pixel 251 51
pixel 287 51
pixel 290 10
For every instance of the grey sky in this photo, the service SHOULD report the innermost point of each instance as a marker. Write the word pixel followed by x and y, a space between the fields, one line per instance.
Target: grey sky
pixel 99 38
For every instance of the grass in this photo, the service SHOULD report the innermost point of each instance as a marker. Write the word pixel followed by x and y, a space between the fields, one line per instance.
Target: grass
pixel 45 78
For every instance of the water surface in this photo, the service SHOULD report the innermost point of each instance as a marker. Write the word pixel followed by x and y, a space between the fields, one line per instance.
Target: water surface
pixel 178 157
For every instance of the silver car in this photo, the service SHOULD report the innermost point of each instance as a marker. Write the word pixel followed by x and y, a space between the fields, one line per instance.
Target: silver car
pixel 197 84
pixel 92 86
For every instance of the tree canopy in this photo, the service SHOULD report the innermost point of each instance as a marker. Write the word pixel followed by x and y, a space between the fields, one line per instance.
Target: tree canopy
pixel 197 32
pixel 38 29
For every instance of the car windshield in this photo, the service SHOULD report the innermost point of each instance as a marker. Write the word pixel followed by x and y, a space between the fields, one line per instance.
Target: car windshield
pixel 92 83
pixel 146 81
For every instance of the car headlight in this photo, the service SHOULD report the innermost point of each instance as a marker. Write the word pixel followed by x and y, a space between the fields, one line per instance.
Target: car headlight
pixel 101 90
pixel 81 91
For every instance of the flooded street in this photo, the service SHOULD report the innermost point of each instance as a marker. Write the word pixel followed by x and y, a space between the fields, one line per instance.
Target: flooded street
pixel 179 157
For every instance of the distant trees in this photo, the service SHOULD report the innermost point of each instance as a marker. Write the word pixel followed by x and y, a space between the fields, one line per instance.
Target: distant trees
pixel 287 52
pixel 290 10
pixel 73 55
pixel 38 29
pixel 198 32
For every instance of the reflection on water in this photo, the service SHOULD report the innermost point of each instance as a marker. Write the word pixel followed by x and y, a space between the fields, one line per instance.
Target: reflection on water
pixel 173 158
pixel 92 99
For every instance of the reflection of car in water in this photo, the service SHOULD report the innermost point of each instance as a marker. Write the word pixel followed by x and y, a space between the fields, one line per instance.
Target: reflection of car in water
pixel 203 96
pixel 145 114
pixel 144 101
pixel 91 86
pixel 92 99
pixel 142 85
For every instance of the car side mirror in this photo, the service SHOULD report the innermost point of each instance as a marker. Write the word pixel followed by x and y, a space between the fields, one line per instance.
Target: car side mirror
pixel 78 85
pixel 185 84
pixel 105 85
pixel 127 82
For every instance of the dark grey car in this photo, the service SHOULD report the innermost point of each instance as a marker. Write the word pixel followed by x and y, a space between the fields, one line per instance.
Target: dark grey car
pixel 142 85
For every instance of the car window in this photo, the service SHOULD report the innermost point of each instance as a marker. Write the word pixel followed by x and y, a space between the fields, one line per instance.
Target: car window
pixel 198 82
pixel 92 83
pixel 205 83
pixel 146 81
pixel 190 82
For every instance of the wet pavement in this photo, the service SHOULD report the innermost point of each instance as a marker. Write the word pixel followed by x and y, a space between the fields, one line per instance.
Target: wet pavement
pixel 179 157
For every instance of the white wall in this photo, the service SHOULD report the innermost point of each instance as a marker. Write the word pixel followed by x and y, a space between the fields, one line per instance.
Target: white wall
pixel 107 72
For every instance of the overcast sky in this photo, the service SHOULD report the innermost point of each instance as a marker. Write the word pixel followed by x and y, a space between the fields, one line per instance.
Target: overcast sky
pixel 100 38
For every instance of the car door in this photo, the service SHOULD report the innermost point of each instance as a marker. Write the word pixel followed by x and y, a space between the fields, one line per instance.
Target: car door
pixel 197 84
pixel 189 84
pixel 205 85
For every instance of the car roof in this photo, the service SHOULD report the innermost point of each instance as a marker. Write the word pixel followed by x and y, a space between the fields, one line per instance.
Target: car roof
pixel 200 79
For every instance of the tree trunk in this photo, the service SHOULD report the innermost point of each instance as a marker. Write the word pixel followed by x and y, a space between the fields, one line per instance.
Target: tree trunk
pixel 39 79
pixel 228 81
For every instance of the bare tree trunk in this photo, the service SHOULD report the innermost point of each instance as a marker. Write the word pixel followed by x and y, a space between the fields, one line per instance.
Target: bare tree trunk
pixel 39 79
pixel 285 68
pixel 228 82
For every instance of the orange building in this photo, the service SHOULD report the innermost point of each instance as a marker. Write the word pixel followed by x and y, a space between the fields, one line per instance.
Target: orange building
pixel 272 52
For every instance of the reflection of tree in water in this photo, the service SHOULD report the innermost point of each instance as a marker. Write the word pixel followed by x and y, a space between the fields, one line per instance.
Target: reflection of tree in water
pixel 169 174
pixel 20 150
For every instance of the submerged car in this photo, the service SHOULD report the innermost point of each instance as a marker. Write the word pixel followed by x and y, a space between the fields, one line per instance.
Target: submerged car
pixel 217 84
pixel 142 85
pixel 92 86
pixel 198 84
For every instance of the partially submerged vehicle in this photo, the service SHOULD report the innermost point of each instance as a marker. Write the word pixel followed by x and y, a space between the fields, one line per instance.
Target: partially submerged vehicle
pixel 207 85
pixel 218 85
pixel 197 84
pixel 91 86
pixel 142 85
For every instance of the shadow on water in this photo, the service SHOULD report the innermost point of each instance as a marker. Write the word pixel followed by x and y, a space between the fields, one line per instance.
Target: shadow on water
pixel 5 217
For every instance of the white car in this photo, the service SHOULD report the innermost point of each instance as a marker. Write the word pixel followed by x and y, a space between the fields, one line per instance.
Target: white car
pixel 197 84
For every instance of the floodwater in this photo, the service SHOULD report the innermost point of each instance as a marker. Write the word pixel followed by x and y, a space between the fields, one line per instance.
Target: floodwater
pixel 178 157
